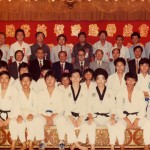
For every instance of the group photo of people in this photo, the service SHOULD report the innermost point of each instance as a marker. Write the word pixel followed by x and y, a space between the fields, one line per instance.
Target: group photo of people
pixel 89 87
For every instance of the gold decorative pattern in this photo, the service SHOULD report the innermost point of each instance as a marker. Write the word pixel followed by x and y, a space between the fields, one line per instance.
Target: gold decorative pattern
pixel 59 29
pixel 42 28
pixel 127 30
pixel 128 137
pixel 10 30
pixel 26 29
pixel 75 29
pixel 2 136
pixel 93 30
pixel 111 29
pixel 138 137
pixel 144 30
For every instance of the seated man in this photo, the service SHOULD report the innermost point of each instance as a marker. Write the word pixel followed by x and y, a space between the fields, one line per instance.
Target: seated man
pixel 99 63
pixel 131 111
pixel 37 63
pixel 82 63
pixel 13 67
pixel 61 66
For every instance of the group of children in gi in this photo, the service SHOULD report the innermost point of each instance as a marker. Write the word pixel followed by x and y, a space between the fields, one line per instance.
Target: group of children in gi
pixel 118 101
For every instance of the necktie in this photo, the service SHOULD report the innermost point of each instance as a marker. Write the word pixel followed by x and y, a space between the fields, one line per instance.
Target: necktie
pixel 61 48
pixel 81 66
pixel 137 66
pixel 40 64
pixel 99 63
pixel 62 68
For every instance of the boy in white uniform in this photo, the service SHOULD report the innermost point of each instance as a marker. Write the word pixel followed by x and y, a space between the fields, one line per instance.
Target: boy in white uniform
pixel 101 109
pixel 131 111
pixel 75 111
pixel 51 107
pixel 7 101
pixel 26 111
pixel 116 81
pixel 143 83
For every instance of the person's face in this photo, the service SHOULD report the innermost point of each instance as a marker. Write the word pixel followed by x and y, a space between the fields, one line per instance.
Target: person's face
pixel 138 53
pixel 23 70
pixel 61 41
pixel 19 57
pixel 81 56
pixel 102 37
pixel 26 82
pixel 116 54
pixel 135 39
pixel 40 38
pixel 65 81
pixel 144 68
pixel 100 80
pixel 75 78
pixel 99 55
pixel 3 69
pixel 130 82
pixel 88 76
pixel 40 54
pixel 4 80
pixel 20 36
pixel 62 57
pixel 120 67
pixel 50 81
pixel 82 38
pixel 119 41
pixel 44 72
pixel 2 39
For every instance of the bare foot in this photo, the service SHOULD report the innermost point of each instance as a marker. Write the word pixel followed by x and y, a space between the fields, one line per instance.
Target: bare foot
pixel 79 146
pixel 73 146
pixel 13 145
pixel 146 147
pixel 122 147
pixel 24 146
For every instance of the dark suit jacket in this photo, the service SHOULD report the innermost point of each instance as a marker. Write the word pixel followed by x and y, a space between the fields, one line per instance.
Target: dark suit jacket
pixel 132 66
pixel 57 69
pixel 35 68
pixel 77 65
pixel 13 70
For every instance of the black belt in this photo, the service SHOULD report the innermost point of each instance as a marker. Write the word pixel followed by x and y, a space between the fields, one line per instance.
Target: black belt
pixel 49 111
pixel 127 113
pixel 99 114
pixel 6 112
pixel 75 114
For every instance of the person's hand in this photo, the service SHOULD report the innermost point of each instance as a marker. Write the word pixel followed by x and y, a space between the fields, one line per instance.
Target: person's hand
pixel 74 122
pixel 19 119
pixel 90 120
pixel 49 121
pixel 30 117
pixel 129 124
pixel 135 123
pixel 112 121
pixel 146 94
pixel 79 121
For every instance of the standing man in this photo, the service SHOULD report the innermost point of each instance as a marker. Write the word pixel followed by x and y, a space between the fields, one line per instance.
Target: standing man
pixel 104 45
pixel 82 45
pixel 40 43
pixel 4 48
pixel 20 45
pixel 61 46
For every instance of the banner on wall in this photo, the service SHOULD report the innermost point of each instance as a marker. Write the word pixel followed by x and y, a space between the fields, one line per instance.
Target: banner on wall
pixel 52 29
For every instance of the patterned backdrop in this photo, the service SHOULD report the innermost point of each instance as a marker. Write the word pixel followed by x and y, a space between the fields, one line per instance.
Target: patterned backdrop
pixel 71 29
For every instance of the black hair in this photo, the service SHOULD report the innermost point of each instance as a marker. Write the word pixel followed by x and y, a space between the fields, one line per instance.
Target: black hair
pixel 135 34
pixel 119 36
pixel 1 54
pixel 19 30
pixel 81 50
pixel 99 50
pixel 131 75
pixel 62 35
pixel 115 49
pixel 39 48
pixel 86 71
pixel 144 61
pixel 120 59
pixel 28 75
pixel 37 33
pixel 19 51
pixel 50 73
pixel 138 47
pixel 3 34
pixel 23 65
pixel 3 64
pixel 62 52
pixel 5 73
pixel 102 31
pixel 82 33
pixel 100 71
pixel 65 75
pixel 76 71
pixel 45 67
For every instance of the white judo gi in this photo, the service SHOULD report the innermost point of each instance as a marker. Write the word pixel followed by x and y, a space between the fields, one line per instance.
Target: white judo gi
pixel 50 105
pixel 79 107
pixel 105 108
pixel 24 107
pixel 91 86
pixel 132 110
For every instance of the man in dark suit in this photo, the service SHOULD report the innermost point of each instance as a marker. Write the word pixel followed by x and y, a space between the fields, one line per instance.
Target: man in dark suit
pixel 13 67
pixel 62 66
pixel 134 63
pixel 36 64
pixel 81 63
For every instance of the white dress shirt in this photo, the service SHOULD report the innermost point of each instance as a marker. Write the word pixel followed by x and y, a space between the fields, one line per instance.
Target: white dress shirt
pixel 6 53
